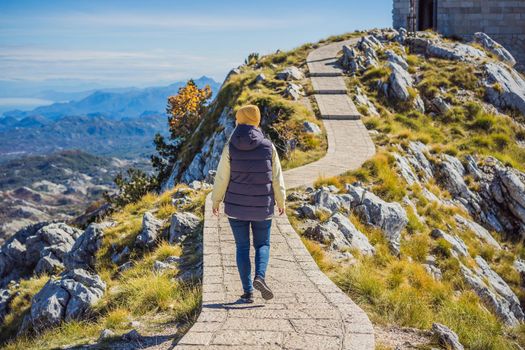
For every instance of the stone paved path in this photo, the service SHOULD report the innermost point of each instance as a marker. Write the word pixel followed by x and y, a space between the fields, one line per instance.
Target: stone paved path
pixel 328 83
pixel 309 311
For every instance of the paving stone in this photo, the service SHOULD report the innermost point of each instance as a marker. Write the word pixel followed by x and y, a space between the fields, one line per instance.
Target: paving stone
pixel 249 337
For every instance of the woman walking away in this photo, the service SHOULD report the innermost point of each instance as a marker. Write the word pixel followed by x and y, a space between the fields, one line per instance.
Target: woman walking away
pixel 250 181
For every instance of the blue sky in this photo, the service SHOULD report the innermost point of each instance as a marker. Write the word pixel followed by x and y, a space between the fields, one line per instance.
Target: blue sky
pixel 140 43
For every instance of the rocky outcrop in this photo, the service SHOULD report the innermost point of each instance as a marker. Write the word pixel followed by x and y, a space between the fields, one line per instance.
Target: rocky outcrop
pixel 290 73
pixel 495 292
pixel 481 232
pixel 372 210
pixel 459 248
pixel 326 199
pixel 504 87
pixel 69 297
pixel 83 253
pixel 361 99
pixel 453 51
pixel 183 224
pixel 400 87
pixel 150 231
pixel 362 56
pixel 339 233
pixel 208 157
pixel 488 43
pixel 447 337
pixel 294 91
pixel 433 270
pixel 5 299
pixel 393 57
pixel 499 203
pixel 37 248
pixel 311 128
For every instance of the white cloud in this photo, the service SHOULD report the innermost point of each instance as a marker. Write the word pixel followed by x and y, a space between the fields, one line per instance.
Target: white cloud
pixel 29 63
pixel 162 21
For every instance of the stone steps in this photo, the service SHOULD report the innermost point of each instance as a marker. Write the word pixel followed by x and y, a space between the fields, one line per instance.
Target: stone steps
pixel 328 84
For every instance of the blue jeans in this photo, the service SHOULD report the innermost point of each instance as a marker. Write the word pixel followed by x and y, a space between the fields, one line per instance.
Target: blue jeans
pixel 261 243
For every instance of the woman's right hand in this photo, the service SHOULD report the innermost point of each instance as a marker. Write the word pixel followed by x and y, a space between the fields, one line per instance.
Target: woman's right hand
pixel 215 211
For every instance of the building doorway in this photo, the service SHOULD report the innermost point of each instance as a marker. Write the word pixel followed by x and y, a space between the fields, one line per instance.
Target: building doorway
pixel 426 14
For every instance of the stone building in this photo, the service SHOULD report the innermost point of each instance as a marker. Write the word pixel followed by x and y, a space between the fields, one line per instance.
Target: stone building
pixel 503 20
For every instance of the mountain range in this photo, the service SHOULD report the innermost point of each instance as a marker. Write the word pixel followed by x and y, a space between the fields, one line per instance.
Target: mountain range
pixel 113 103
pixel 118 123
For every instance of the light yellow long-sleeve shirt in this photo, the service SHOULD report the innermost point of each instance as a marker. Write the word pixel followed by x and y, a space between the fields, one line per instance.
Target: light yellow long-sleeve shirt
pixel 222 178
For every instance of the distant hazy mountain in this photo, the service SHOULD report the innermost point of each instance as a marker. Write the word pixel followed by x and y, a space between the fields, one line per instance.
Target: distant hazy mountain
pixel 113 103
pixel 126 138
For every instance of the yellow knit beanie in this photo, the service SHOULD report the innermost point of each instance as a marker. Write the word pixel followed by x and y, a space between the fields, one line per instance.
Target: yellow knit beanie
pixel 249 115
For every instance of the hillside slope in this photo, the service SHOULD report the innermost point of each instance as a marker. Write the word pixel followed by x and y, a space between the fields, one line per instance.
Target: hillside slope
pixel 426 236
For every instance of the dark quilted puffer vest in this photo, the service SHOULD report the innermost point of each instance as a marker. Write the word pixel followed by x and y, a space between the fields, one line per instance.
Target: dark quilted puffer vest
pixel 250 194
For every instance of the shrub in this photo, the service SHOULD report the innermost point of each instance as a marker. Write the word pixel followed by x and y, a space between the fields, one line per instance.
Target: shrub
pixel 131 187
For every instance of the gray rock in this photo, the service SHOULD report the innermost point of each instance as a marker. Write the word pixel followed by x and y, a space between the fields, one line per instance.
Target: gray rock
pixel 132 336
pixel 183 224
pixel 418 160
pixel 307 211
pixel 398 86
pixel 390 217
pixel 48 264
pixel 126 266
pixel 452 172
pixel 406 170
pixel 5 299
pixel 290 73
pixel 150 231
pixel 355 237
pixel 488 43
pixel 399 82
pixel 207 158
pixel 105 334
pixel 440 105
pixel 504 87
pixel 340 233
pixel 395 58
pixel 447 337
pixel 294 91
pixel 82 254
pixel 498 304
pixel 457 51
pixel 172 260
pixel 431 267
pixel 478 230
pixel 120 257
pixel 160 266
pixel 472 167
pixel 260 77
pixel 311 128
pixel 519 265
pixel 361 99
pixel 500 286
pixel 21 254
pixel 324 198
pixel 459 248
pixel 69 297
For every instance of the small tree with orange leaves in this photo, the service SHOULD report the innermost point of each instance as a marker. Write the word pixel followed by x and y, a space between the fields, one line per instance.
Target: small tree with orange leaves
pixel 186 108
pixel 184 113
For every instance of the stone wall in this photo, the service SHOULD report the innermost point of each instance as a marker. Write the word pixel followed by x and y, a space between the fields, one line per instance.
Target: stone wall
pixel 503 20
